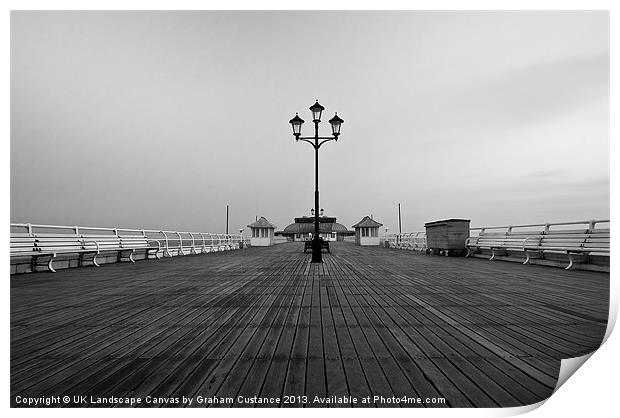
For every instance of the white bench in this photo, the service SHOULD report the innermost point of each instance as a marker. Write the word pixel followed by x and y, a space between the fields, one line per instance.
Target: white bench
pixel 578 245
pixel 497 243
pixel 43 249
pixel 48 247
pixel 38 244
pixel 123 247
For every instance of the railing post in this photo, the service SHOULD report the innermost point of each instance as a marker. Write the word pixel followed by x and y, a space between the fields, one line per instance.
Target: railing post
pixel 193 251
pixel 204 248
pixel 212 242
pixel 180 249
pixel 167 253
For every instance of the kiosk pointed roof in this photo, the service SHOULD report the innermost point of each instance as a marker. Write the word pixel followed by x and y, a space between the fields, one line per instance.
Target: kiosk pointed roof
pixel 367 222
pixel 262 223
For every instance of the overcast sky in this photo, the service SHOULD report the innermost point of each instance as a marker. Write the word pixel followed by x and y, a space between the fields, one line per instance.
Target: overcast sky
pixel 159 119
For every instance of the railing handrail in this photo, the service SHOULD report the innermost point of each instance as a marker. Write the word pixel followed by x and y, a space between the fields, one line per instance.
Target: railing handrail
pixel 142 232
pixel 589 222
pixel 547 225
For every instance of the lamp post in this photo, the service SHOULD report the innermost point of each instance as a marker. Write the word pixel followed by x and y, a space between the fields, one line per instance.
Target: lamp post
pixel 316 141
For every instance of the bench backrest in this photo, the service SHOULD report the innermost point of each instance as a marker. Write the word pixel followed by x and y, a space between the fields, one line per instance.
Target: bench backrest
pixel 58 243
pixel 22 243
pixel 134 241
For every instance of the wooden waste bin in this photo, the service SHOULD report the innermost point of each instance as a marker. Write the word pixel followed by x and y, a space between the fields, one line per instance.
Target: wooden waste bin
pixel 447 237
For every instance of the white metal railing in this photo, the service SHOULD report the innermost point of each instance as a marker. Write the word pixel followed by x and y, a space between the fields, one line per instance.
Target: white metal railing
pixel 408 241
pixel 171 243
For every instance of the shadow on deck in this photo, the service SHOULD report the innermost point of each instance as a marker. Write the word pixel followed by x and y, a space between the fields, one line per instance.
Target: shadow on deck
pixel 265 322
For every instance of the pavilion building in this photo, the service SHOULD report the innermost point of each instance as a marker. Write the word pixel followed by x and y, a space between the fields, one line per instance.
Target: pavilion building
pixel 303 229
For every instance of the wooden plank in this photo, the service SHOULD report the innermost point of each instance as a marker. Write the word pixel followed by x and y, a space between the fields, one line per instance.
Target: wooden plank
pixel 335 376
pixel 315 368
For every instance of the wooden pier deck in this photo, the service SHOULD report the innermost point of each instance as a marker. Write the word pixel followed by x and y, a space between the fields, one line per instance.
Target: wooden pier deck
pixel 265 322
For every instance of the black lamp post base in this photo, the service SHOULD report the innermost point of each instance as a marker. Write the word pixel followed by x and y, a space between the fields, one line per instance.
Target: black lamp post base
pixel 317 257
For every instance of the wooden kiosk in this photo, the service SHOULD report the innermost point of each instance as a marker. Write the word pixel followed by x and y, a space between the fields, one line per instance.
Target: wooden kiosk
pixel 262 233
pixel 367 231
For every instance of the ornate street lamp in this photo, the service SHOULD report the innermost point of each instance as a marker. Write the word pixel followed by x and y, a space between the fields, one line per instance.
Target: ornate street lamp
pixel 316 110
pixel 336 122
pixel 296 122
pixel 316 141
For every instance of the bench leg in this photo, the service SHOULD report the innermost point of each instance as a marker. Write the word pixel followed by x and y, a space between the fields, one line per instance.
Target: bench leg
pixel 121 254
pixel 584 257
pixel 571 261
pixel 492 255
pixel 149 252
pixel 34 264
pixel 81 260
pixel 532 254
pixel 95 260
pixel 49 265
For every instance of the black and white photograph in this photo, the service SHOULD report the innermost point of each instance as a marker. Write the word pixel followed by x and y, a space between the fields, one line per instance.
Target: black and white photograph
pixel 307 208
